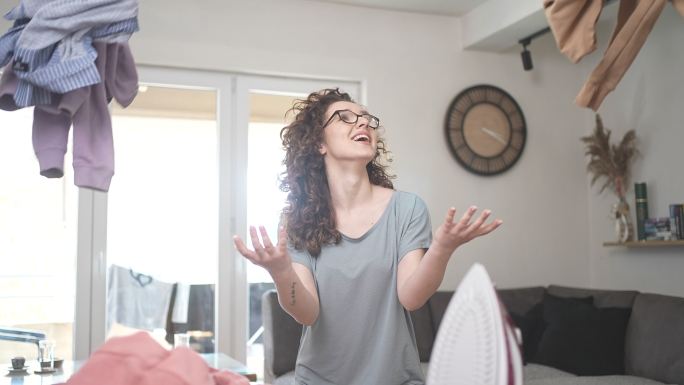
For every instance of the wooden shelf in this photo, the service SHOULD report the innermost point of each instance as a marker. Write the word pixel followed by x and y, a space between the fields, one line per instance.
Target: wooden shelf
pixel 645 243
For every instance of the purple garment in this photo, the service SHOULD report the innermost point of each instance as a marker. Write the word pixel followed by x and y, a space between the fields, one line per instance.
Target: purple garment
pixel 87 109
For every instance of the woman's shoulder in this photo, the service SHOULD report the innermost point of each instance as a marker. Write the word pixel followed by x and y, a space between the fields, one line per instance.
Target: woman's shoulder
pixel 407 196
pixel 408 200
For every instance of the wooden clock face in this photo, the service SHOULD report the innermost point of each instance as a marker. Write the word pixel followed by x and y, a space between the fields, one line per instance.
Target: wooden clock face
pixel 485 129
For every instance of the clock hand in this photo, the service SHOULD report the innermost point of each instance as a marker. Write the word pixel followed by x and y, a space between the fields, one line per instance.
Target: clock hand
pixel 494 135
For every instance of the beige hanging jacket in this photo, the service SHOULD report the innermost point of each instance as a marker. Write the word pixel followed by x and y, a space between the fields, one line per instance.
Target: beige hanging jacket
pixel 573 25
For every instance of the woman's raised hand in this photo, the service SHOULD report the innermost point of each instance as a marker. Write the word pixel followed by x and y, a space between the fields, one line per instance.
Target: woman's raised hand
pixel 451 235
pixel 275 259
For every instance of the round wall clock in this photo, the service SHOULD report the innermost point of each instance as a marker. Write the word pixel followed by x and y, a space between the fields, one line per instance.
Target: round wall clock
pixel 485 129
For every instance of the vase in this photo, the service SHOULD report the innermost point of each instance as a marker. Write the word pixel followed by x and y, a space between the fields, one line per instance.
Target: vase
pixel 624 230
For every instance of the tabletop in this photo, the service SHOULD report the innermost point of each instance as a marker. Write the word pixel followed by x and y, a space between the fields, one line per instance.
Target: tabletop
pixel 217 360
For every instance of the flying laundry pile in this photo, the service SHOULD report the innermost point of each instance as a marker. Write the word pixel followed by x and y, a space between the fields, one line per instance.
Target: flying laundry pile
pixel 69 58
pixel 573 24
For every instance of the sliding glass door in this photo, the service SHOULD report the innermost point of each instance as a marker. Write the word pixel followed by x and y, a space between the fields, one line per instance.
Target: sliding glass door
pixel 37 246
pixel 162 219
pixel 165 222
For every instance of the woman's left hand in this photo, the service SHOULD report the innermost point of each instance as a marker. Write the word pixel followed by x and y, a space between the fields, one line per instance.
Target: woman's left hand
pixel 451 235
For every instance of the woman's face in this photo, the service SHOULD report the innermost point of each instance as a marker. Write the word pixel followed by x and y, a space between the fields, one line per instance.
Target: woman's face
pixel 346 140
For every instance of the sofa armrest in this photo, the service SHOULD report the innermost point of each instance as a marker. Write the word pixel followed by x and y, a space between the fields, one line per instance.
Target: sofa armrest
pixel 654 344
pixel 423 331
pixel 281 338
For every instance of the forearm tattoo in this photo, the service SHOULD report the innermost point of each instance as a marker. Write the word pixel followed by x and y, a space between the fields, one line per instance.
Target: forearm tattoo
pixel 292 294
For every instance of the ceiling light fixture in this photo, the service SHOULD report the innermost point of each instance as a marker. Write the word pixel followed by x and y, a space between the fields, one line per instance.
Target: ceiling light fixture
pixel 526 55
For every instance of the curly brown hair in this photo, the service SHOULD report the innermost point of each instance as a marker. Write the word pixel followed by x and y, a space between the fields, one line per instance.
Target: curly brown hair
pixel 308 216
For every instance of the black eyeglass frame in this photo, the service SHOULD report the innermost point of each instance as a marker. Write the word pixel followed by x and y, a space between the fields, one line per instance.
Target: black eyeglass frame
pixel 368 117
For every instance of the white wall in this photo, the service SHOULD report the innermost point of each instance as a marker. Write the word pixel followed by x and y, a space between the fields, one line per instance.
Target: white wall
pixel 649 99
pixel 412 67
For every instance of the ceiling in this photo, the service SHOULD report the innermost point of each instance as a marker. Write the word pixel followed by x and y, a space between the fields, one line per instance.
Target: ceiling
pixel 486 25
pixel 437 7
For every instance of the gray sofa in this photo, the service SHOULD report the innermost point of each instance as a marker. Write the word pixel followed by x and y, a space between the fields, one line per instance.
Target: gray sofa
pixel 654 340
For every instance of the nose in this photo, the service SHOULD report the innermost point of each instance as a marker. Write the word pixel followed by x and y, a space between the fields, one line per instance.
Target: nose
pixel 363 121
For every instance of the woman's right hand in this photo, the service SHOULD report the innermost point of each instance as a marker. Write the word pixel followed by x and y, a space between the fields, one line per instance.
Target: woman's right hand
pixel 275 259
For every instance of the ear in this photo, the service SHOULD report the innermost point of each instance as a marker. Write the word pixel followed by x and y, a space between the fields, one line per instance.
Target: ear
pixel 322 149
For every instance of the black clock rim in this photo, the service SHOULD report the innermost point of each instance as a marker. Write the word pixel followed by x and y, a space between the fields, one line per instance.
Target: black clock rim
pixel 451 145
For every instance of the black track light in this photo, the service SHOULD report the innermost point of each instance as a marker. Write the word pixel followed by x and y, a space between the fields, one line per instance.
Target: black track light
pixel 526 57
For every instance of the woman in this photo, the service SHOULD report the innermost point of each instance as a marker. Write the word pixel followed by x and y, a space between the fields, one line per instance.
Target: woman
pixel 354 255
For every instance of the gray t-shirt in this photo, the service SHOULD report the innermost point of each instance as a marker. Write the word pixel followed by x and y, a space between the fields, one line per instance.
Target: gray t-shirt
pixel 363 335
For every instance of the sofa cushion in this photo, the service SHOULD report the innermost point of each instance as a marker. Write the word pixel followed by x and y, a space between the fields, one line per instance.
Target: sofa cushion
pixel 535 374
pixel 286 379
pixel 525 307
pixel 582 339
pixel 602 298
pixel 424 331
pixel 518 302
pixel 655 338
pixel 438 304
pixel 289 377
pixel 538 372
pixel 597 380
pixel 594 380
pixel 521 300
pixel 531 325
pixel 424 366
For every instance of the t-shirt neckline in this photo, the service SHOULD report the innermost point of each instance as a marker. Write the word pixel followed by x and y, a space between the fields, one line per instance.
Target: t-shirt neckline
pixel 376 224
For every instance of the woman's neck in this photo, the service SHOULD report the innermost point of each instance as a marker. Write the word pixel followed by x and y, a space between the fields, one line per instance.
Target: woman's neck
pixel 350 187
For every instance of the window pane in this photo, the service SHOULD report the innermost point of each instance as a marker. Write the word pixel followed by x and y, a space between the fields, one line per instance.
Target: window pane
pixel 37 243
pixel 163 216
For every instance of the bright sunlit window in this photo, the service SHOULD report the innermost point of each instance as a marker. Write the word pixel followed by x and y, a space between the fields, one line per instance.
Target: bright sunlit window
pixel 163 202
pixel 265 200
pixel 163 217
pixel 37 242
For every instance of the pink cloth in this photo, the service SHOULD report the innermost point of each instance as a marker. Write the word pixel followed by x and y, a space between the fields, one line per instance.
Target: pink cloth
pixel 139 360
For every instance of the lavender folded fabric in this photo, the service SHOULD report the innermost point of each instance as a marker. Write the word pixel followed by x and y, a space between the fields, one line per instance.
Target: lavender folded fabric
pixel 87 109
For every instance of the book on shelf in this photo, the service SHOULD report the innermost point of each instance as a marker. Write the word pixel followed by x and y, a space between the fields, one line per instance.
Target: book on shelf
pixel 641 208
pixel 677 220
pixel 658 229
pixel 673 228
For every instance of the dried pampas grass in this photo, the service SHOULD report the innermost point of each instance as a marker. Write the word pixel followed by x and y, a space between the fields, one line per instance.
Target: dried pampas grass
pixel 610 162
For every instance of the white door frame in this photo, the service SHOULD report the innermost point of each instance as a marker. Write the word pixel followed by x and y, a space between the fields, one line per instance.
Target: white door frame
pixel 90 301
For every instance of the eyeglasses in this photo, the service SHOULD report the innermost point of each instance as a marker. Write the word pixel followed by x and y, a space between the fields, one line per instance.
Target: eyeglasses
pixel 351 117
